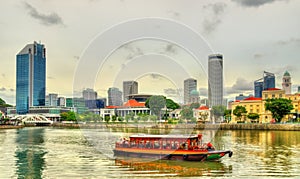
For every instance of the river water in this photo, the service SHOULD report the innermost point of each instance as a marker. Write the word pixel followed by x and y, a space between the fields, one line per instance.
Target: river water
pixel 74 153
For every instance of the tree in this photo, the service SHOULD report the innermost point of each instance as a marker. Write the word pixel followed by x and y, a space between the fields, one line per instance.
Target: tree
pixel 3 103
pixel 239 111
pixel 218 111
pixel 186 113
pixel 227 114
pixel 195 105
pixel 68 116
pixel 279 107
pixel 156 103
pixel 170 104
pixel 253 116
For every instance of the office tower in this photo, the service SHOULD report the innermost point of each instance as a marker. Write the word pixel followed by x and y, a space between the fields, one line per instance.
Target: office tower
pixel 61 101
pixel 114 97
pixel 215 80
pixel 89 94
pixel 258 88
pixel 287 83
pixel 189 85
pixel 298 89
pixel 269 80
pixel 52 99
pixel 129 88
pixel 31 77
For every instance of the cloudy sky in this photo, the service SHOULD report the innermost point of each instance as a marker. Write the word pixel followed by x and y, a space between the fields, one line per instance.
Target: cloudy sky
pixel 252 35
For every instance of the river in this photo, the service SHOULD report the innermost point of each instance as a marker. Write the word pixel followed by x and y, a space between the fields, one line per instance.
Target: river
pixel 46 152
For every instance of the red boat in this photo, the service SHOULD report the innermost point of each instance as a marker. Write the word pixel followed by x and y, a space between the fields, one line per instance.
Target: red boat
pixel 169 147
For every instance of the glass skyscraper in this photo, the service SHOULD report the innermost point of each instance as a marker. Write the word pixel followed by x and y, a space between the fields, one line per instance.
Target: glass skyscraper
pixel 31 77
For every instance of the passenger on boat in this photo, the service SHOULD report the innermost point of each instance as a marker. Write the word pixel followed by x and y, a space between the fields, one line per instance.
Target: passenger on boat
pixel 210 146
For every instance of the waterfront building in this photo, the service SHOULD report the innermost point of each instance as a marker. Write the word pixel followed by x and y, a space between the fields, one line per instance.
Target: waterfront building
pixel 215 80
pixel 189 85
pixel 194 97
pixel 129 88
pixel 30 77
pixel 114 97
pixel 257 105
pixel 89 94
pixel 202 114
pixel 286 83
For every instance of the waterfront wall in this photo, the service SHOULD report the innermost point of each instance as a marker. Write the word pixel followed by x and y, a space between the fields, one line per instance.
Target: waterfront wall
pixel 225 126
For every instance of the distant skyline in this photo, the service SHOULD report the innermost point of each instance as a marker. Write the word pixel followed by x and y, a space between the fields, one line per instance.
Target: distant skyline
pixel 253 36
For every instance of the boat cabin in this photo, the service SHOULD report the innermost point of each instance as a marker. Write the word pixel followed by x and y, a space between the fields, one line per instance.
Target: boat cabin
pixel 175 142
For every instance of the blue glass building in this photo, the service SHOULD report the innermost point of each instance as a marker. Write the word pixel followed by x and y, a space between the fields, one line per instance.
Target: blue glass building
pixel 269 80
pixel 31 77
pixel 258 88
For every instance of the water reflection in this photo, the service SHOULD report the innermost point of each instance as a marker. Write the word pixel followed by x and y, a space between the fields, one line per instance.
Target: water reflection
pixel 30 153
pixel 177 168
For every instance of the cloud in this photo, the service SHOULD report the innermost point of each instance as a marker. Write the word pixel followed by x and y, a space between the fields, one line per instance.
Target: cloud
pixel 174 14
pixel 258 56
pixel 2 89
pixel 254 3
pixel 214 18
pixel 132 51
pixel 241 85
pixel 50 77
pixel 203 92
pixel 171 48
pixel 289 41
pixel 3 75
pixel 45 19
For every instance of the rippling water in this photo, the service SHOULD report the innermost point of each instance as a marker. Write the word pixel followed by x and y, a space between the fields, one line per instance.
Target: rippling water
pixel 73 153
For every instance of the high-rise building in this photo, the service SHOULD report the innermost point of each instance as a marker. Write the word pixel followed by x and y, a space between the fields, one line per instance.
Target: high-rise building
pixel 215 80
pixel 114 97
pixel 89 94
pixel 287 83
pixel 61 101
pixel 269 80
pixel 258 88
pixel 190 84
pixel 129 88
pixel 31 77
pixel 51 100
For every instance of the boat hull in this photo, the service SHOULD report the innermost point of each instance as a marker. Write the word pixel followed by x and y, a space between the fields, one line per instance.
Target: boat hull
pixel 188 155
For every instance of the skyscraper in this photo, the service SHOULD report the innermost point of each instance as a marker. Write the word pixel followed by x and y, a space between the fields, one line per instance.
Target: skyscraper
pixel 31 77
pixel 190 84
pixel 258 88
pixel 114 97
pixel 89 94
pixel 269 80
pixel 287 83
pixel 129 87
pixel 215 80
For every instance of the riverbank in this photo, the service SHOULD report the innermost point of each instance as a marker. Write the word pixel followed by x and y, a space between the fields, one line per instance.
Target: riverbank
pixel 10 127
pixel 222 126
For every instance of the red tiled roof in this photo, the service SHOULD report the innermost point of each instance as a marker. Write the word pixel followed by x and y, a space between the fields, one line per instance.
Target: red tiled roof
pixel 112 107
pixel 133 104
pixel 203 108
pixel 252 98
pixel 272 89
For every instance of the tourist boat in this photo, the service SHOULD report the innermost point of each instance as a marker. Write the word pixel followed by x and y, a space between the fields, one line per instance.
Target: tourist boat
pixel 169 147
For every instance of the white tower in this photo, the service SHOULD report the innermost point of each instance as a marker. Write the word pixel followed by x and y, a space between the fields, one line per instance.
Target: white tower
pixel 286 83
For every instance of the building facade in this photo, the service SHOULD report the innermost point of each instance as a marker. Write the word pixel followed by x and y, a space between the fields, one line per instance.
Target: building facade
pixel 269 80
pixel 30 77
pixel 114 97
pixel 51 99
pixel 89 94
pixel 189 86
pixel 258 88
pixel 215 80
pixel 129 88
pixel 287 83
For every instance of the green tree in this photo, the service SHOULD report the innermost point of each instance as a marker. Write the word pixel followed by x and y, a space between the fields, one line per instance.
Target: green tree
pixel 186 113
pixel 195 105
pixel 156 103
pixel 68 116
pixel 218 111
pixel 3 103
pixel 279 107
pixel 170 104
pixel 253 116
pixel 227 114
pixel 239 111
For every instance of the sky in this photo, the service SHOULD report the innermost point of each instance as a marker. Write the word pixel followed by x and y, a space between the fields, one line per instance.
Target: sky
pixel 159 43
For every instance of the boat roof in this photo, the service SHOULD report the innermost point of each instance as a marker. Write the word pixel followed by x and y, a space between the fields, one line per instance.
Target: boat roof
pixel 165 136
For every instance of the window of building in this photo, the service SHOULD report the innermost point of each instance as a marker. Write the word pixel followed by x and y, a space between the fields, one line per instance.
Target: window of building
pixel 257 110
pixel 280 96
pixel 273 95
pixel 266 96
